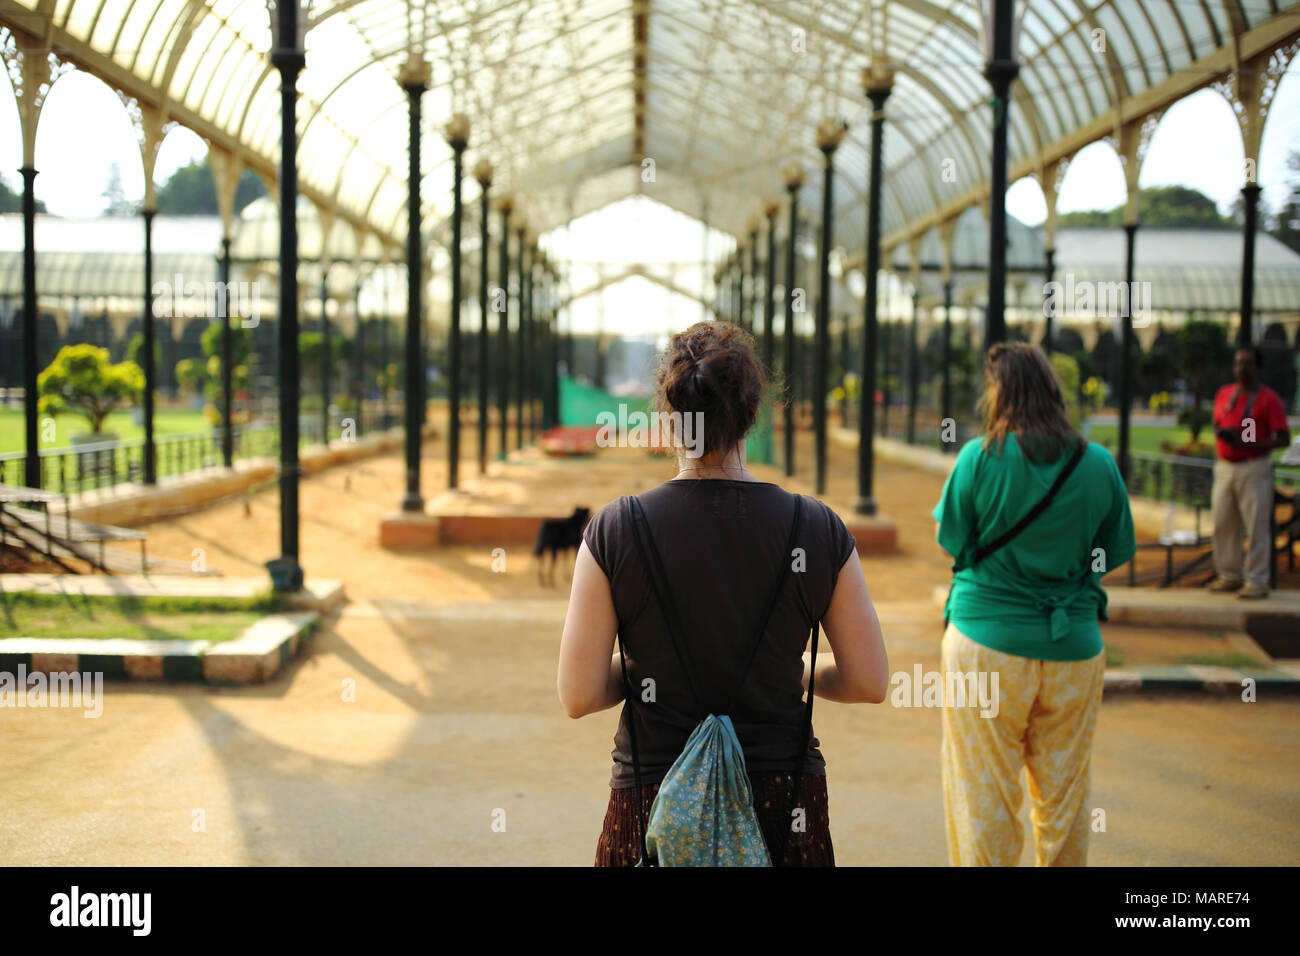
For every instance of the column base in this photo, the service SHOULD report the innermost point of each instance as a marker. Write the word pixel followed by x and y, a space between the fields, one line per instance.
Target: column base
pixel 409 531
pixel 875 534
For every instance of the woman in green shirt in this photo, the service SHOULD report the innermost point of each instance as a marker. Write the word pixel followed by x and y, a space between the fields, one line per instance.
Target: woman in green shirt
pixel 1022 618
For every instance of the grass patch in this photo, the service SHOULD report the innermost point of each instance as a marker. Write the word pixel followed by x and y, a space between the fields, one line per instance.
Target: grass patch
pixel 166 421
pixel 1236 660
pixel 100 617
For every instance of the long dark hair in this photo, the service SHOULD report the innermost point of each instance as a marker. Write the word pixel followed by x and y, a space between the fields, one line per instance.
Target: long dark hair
pixel 1023 395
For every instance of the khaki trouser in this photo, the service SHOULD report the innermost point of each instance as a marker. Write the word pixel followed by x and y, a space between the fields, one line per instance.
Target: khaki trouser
pixel 1044 724
pixel 1243 502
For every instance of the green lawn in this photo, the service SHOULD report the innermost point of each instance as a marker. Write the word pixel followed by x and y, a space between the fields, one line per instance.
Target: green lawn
pixel 68 616
pixel 1146 438
pixel 165 422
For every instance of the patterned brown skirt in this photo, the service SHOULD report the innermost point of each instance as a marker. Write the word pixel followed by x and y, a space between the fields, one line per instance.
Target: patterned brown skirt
pixel 617 845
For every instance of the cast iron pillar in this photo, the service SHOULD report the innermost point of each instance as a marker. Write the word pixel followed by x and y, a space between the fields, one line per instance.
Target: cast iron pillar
pixel 1000 69
pixel 150 366
pixel 483 173
pixel 32 461
pixel 912 370
pixel 289 26
pixel 793 183
pixel 503 330
pixel 227 350
pixel 1126 349
pixel 947 358
pixel 829 135
pixel 1049 305
pixel 878 82
pixel 521 363
pixel 414 80
pixel 324 352
pixel 1250 207
pixel 457 133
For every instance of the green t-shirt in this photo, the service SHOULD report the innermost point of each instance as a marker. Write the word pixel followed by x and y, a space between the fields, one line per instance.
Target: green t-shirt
pixel 1039 596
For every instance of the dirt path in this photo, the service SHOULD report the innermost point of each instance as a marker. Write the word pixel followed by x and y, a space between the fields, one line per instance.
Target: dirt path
pixel 427 705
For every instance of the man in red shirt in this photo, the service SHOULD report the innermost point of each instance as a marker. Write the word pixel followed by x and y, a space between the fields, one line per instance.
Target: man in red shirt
pixel 1249 422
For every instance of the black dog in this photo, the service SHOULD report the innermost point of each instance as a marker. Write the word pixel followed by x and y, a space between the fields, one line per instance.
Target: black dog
pixel 556 535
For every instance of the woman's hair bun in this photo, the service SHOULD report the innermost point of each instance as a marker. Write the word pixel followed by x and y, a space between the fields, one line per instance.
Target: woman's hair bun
pixel 711 368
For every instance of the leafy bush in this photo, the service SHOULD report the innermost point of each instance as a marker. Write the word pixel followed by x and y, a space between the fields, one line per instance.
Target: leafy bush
pixel 1067 373
pixel 81 379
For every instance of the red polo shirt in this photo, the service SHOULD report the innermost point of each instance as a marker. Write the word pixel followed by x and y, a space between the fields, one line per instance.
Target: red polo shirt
pixel 1268 413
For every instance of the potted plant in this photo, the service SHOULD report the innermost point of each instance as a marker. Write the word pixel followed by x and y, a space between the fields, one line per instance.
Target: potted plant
pixel 81 379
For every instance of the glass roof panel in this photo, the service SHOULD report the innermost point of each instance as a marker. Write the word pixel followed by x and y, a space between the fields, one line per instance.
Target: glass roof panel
pixel 729 96
pixel 160 39
pixel 1121 45
pixel 103 28
pixel 1167 26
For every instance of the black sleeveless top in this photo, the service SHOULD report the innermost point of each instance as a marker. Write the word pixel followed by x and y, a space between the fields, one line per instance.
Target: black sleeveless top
pixel 721 544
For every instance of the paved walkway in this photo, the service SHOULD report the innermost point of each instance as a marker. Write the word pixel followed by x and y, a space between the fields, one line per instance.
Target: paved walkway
pixel 428 704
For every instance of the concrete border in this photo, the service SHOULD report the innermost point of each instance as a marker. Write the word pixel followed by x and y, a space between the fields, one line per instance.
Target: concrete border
pixel 1225 682
pixel 321 595
pixel 254 657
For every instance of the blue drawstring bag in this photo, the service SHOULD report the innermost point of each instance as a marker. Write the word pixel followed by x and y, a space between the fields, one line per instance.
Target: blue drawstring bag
pixel 703 814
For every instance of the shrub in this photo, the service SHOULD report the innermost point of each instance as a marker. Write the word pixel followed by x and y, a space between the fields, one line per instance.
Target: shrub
pixel 1067 373
pixel 81 379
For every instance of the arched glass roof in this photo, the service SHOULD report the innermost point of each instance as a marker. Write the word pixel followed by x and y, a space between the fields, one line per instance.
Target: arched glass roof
pixel 563 93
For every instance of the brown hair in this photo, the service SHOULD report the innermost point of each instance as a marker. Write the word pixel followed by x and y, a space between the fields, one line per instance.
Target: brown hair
pixel 1023 395
pixel 712 368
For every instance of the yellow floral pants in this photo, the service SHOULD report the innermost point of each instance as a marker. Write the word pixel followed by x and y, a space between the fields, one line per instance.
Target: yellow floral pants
pixel 1044 724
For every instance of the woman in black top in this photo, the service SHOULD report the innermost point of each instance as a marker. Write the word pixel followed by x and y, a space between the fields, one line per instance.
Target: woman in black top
pixel 721 534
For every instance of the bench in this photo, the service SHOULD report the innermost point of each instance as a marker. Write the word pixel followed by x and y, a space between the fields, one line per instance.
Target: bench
pixel 29 524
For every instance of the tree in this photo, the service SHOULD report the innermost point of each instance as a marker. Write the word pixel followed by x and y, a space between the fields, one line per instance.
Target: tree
pixel 1286 224
pixel 191 191
pixel 1105 357
pixel 11 200
pixel 136 345
pixel 1203 349
pixel 190 374
pixel 241 353
pixel 1159 206
pixel 1279 369
pixel 81 379
pixel 115 195
pixel 1159 367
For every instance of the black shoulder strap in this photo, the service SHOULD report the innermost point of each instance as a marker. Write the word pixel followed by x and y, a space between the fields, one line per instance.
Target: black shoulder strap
pixel 984 550
pixel 805 741
pixel 654 569
pixel 1250 405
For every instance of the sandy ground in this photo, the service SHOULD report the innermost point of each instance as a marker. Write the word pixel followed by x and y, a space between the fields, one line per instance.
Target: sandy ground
pixel 425 711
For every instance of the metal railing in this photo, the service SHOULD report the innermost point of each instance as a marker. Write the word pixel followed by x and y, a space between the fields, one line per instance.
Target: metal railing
pixel 1184 480
pixel 79 468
